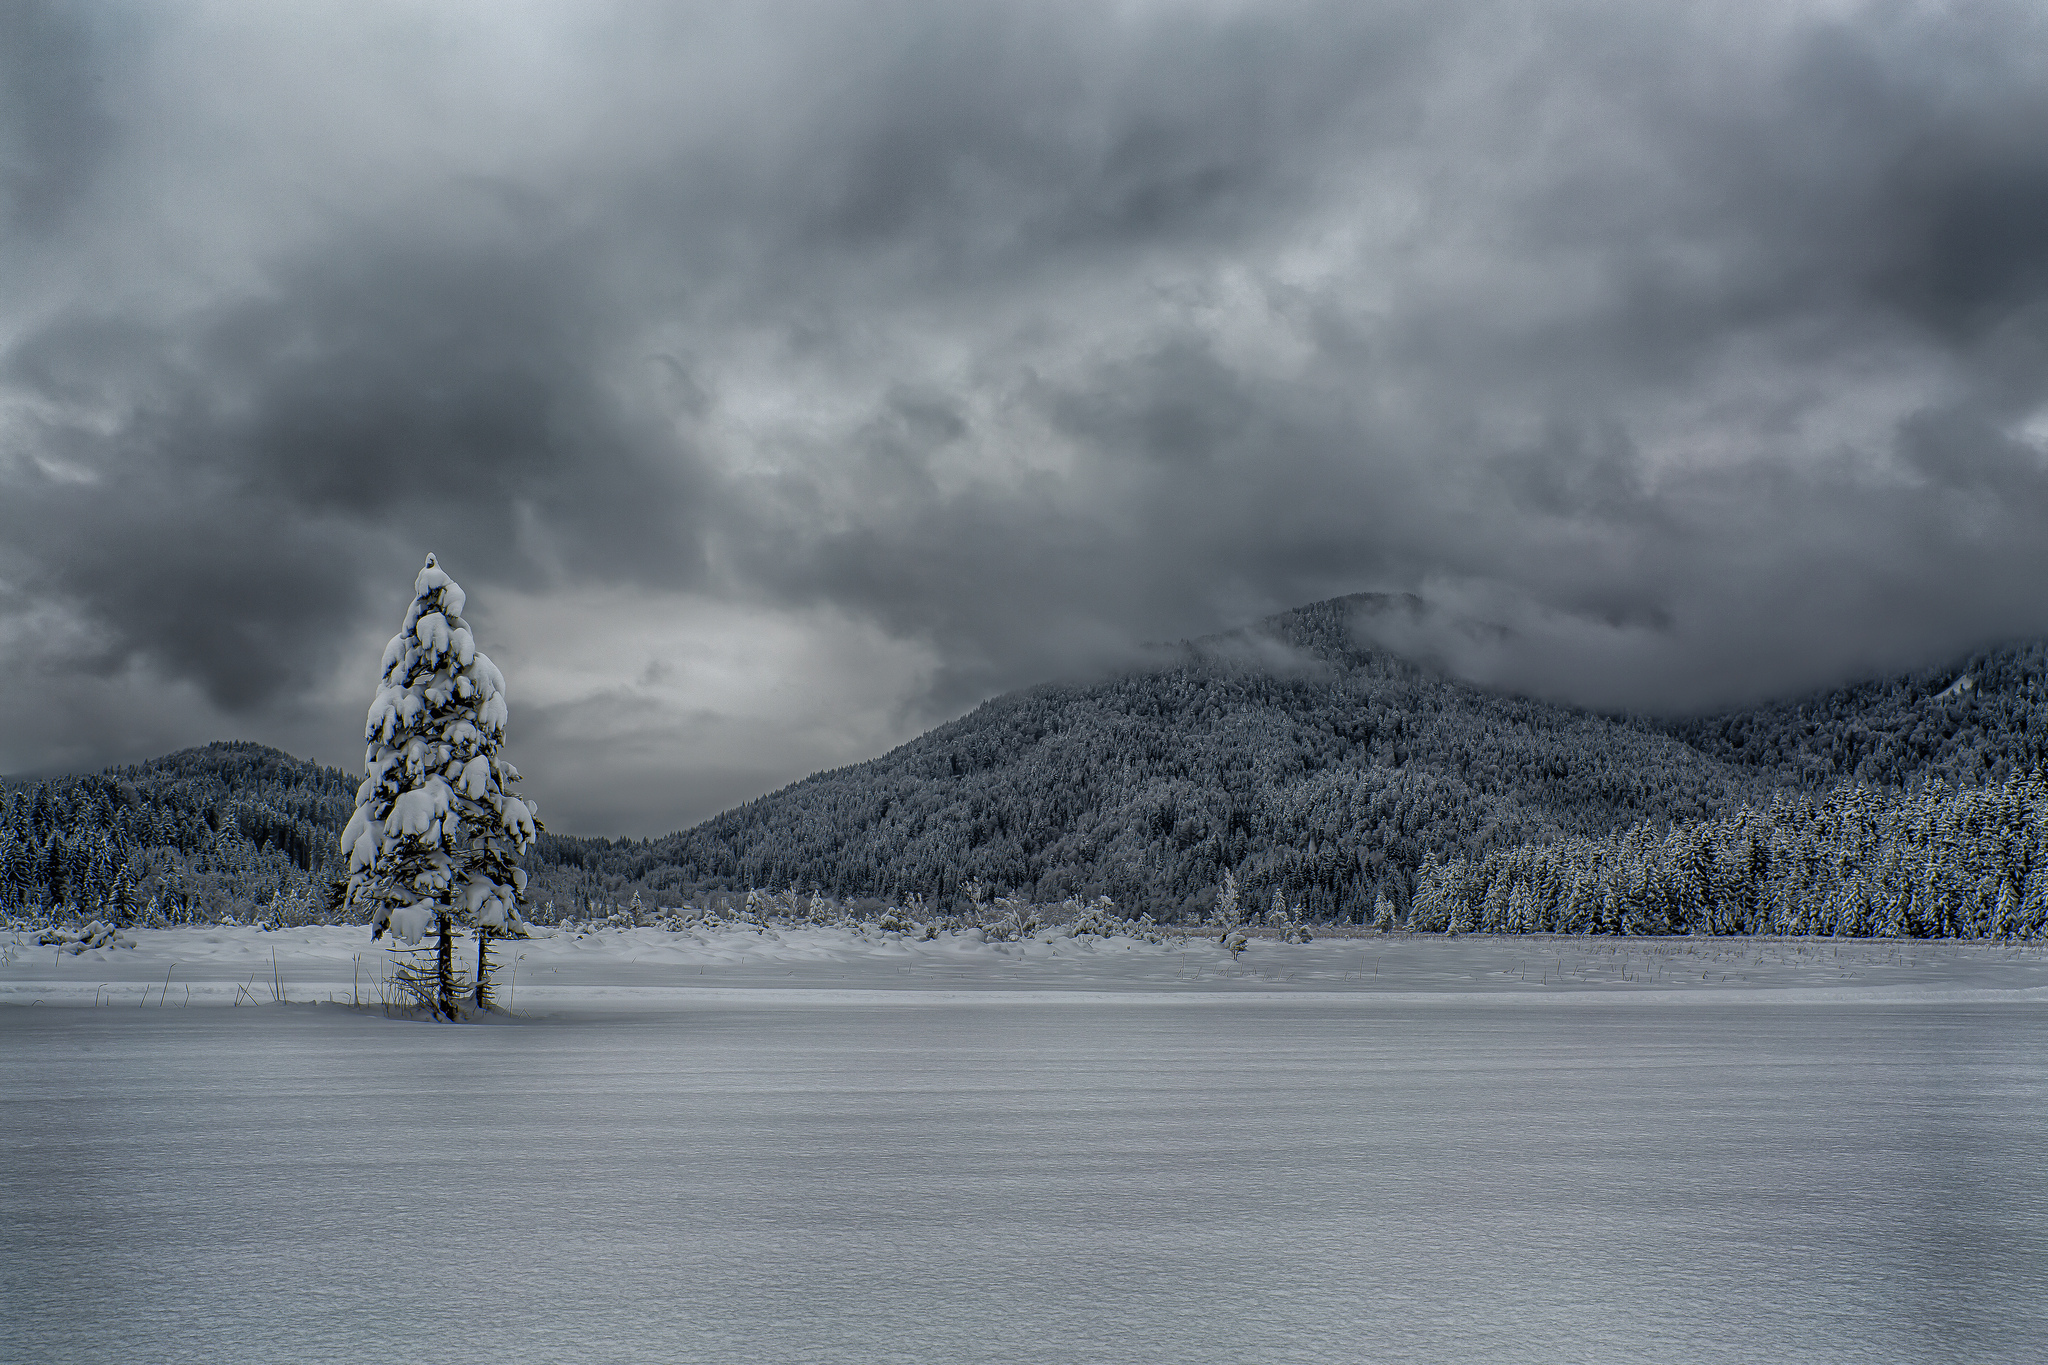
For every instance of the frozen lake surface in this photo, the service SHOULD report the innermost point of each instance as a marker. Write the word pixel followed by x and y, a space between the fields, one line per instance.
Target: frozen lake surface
pixel 655 968
pixel 1457 1164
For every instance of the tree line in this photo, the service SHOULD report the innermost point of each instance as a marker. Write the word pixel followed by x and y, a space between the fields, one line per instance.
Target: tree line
pixel 1855 862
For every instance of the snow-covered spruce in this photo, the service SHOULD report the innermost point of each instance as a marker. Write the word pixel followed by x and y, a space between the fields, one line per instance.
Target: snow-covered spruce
pixel 437 833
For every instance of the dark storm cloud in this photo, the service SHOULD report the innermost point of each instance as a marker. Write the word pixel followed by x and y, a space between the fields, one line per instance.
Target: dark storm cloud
pixel 54 130
pixel 418 397
pixel 1701 347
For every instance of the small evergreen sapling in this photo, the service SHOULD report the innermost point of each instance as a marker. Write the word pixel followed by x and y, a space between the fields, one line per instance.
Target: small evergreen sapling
pixel 437 833
pixel 1227 912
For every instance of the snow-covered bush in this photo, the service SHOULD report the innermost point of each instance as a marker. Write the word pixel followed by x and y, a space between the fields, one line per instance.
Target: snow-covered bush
pixel 1014 918
pixel 1097 917
pixel 96 934
pixel 294 909
pixel 437 833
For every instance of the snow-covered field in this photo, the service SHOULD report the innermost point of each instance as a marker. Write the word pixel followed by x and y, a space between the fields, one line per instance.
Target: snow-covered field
pixel 812 1145
pixel 657 968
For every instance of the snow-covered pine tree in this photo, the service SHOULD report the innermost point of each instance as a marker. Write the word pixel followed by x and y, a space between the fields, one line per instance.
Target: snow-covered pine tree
pixel 1382 911
pixel 1226 912
pixel 1428 909
pixel 437 832
pixel 1494 909
pixel 121 900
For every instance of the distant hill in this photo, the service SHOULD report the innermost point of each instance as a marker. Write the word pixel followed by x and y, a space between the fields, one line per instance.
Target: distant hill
pixel 1290 753
pixel 1306 761
pixel 220 829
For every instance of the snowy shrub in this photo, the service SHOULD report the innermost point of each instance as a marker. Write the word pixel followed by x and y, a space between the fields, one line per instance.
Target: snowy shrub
pixel 1099 918
pixel 292 910
pixel 95 934
pixel 1014 919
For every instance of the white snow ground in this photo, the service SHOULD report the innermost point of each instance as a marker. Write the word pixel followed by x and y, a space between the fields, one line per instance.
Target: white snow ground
pixel 809 1146
pixel 658 968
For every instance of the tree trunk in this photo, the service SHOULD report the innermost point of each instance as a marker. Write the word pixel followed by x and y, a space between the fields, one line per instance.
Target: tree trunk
pixel 444 965
pixel 483 967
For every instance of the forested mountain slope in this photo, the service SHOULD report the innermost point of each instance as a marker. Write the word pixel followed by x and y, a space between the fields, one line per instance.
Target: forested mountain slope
pixel 1982 719
pixel 1290 753
pixel 1329 778
pixel 221 829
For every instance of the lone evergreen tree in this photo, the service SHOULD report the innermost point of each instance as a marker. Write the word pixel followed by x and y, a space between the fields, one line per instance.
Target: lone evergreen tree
pixel 437 833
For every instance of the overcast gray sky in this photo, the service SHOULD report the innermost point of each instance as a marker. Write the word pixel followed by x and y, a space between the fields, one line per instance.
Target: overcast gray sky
pixel 782 378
